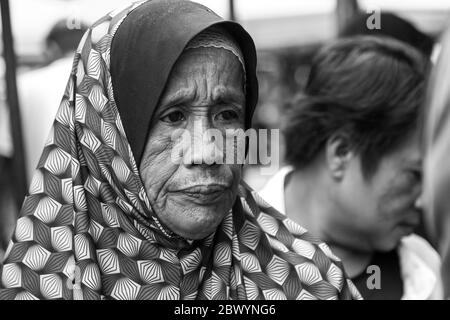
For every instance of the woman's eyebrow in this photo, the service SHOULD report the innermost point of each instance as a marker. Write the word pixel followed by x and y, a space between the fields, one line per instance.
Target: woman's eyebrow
pixel 219 95
pixel 181 95
pixel 224 94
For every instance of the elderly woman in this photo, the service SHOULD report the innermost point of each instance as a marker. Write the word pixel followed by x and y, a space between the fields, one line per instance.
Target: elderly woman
pixel 436 169
pixel 110 214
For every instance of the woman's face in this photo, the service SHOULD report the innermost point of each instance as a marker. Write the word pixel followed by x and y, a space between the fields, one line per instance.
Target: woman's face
pixel 192 194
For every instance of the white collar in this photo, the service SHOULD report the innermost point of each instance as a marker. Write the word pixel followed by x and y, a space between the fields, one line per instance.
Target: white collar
pixel 420 268
pixel 273 191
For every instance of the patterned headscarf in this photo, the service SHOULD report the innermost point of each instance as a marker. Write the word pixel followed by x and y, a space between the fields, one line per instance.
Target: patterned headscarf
pixel 86 229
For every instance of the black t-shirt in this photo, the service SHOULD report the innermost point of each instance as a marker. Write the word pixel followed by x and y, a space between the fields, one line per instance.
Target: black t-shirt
pixel 391 283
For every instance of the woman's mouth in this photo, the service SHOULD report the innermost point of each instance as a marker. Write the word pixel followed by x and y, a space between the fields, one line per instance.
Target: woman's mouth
pixel 203 194
pixel 204 188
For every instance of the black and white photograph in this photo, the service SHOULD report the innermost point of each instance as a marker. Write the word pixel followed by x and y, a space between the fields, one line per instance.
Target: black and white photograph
pixel 232 150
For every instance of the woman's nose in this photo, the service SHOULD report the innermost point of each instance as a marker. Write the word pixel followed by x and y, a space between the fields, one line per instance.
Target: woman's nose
pixel 204 148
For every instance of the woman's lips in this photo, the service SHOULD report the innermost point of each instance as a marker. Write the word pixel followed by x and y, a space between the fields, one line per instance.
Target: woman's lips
pixel 204 188
pixel 203 193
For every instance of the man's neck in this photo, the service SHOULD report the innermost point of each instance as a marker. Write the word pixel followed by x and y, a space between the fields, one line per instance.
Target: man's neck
pixel 304 203
pixel 308 204
pixel 355 262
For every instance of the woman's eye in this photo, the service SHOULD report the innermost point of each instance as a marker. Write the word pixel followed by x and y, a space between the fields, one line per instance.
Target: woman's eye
pixel 227 115
pixel 173 117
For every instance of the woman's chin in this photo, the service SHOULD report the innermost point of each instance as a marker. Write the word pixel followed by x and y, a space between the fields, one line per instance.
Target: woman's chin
pixel 193 221
pixel 195 230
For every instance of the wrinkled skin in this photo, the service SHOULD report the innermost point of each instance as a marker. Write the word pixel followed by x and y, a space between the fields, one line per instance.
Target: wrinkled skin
pixel 205 91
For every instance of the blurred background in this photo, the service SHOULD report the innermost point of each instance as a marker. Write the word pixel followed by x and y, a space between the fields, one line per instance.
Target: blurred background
pixel 39 37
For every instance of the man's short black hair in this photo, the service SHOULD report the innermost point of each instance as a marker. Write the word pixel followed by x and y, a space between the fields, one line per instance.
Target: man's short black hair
pixel 66 36
pixel 371 88
pixel 391 26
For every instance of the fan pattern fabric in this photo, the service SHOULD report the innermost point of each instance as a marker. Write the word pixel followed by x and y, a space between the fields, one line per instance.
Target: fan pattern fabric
pixel 87 230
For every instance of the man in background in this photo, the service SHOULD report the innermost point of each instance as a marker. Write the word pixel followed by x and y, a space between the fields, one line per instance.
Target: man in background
pixel 354 180
pixel 8 208
pixel 41 90
pixel 392 26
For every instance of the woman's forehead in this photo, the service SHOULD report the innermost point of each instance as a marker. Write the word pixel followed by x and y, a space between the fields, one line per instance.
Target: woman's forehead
pixel 202 58
pixel 203 72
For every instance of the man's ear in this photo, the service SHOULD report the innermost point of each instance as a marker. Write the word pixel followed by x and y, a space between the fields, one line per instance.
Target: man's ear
pixel 338 154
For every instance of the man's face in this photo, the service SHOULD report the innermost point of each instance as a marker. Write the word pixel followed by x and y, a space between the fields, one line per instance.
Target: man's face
pixel 381 209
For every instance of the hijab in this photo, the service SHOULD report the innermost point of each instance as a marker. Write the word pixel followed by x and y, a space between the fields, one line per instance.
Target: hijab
pixel 87 230
pixel 144 50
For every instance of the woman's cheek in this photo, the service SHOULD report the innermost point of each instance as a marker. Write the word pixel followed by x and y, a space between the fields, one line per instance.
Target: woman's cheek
pixel 158 168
